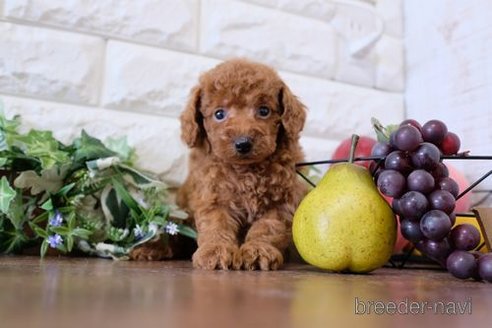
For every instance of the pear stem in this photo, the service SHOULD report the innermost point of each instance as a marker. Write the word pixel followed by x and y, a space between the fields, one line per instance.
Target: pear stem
pixel 355 140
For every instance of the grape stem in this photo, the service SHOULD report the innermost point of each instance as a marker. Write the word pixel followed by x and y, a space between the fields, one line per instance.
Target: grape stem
pixel 381 132
pixel 355 140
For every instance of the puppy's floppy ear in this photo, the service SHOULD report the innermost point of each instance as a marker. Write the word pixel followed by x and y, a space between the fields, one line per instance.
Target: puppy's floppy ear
pixel 293 113
pixel 192 130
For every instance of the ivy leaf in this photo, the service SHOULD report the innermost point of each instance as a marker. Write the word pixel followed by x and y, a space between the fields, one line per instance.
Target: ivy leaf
pixel 17 215
pixel 29 179
pixel 7 194
pixel 114 209
pixel 120 146
pixel 139 179
pixel 6 124
pixel 43 146
pixel 8 129
pixel 89 148
pixel 3 160
pixel 51 180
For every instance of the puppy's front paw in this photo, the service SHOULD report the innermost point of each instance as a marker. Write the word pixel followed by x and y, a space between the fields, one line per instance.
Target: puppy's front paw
pixel 258 255
pixel 214 256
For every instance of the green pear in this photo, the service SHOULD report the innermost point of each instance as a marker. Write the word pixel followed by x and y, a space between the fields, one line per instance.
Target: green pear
pixel 344 224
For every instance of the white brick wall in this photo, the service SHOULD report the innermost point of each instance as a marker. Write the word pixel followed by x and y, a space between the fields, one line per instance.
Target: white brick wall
pixel 117 67
pixel 287 41
pixel 147 79
pixel 50 64
pixel 449 72
pixel 169 23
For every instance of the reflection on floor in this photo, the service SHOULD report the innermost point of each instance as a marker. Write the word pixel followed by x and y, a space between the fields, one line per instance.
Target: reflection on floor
pixel 80 292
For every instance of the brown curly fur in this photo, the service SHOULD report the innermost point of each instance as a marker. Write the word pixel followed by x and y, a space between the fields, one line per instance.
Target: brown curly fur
pixel 242 204
pixel 154 250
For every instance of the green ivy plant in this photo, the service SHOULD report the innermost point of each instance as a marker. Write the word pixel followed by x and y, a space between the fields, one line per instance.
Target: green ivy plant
pixel 87 195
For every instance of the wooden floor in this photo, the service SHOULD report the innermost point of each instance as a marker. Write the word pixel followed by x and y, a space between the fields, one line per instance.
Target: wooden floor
pixel 69 292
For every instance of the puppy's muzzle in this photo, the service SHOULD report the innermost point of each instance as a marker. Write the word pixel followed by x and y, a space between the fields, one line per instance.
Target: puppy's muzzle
pixel 243 145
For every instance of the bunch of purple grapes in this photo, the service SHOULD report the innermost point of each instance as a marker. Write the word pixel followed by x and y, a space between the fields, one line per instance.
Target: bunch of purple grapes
pixel 424 196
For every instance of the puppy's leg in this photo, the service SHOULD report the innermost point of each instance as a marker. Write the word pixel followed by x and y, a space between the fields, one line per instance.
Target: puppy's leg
pixel 265 242
pixel 217 239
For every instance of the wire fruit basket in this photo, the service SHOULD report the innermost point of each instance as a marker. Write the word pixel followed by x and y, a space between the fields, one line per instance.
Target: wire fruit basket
pixel 408 257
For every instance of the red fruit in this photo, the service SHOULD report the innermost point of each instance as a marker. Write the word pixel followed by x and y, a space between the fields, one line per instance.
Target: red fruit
pixel 464 203
pixel 363 149
pixel 450 144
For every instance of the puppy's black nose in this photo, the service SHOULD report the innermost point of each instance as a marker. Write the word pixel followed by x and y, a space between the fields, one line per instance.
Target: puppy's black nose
pixel 243 145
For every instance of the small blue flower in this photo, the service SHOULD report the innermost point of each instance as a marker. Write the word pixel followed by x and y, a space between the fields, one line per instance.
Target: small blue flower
pixel 55 240
pixel 171 228
pixel 138 232
pixel 56 220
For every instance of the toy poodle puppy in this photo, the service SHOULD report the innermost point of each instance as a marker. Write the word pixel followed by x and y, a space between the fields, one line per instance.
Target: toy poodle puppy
pixel 242 123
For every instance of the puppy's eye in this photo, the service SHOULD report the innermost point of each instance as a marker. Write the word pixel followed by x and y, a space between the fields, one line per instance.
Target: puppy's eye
pixel 263 112
pixel 220 115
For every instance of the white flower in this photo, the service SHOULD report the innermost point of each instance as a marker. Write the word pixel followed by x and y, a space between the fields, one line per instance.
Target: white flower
pixel 171 228
pixel 153 228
